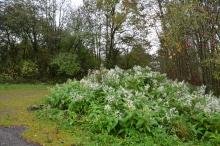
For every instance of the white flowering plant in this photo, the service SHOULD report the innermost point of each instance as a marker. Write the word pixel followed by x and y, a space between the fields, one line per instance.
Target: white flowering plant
pixel 138 101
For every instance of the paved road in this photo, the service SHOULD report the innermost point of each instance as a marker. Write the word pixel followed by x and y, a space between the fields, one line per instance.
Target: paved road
pixel 12 137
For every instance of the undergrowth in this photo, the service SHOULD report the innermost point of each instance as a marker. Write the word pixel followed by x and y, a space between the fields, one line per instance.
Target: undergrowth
pixel 136 107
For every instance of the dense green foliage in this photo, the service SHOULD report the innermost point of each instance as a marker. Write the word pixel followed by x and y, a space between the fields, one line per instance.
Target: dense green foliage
pixel 47 40
pixel 138 106
pixel 190 41
pixel 66 63
pixel 110 32
pixel 137 56
pixel 29 69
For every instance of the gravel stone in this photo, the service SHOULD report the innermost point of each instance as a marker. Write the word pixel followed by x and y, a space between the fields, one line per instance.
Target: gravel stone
pixel 11 136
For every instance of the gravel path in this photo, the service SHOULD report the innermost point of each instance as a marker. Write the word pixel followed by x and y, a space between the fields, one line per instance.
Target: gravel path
pixel 12 137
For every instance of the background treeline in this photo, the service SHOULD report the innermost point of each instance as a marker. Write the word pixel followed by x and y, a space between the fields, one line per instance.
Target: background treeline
pixel 190 41
pixel 47 40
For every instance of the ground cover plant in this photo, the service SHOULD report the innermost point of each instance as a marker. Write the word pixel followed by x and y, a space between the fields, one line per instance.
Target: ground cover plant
pixel 137 107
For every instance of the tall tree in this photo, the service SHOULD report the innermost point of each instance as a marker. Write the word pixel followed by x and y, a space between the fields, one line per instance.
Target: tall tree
pixel 112 27
pixel 190 41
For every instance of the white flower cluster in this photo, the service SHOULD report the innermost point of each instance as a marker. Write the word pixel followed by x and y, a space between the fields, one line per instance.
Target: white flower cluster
pixel 127 88
pixel 110 99
pixel 130 104
pixel 89 83
pixel 76 97
pixel 171 113
pixel 107 108
pixel 118 114
pixel 212 104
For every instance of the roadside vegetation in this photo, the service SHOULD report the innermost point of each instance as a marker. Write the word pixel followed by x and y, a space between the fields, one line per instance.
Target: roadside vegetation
pixel 136 107
pixel 14 101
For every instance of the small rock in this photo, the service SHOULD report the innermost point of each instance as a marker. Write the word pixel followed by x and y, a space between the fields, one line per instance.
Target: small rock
pixel 34 107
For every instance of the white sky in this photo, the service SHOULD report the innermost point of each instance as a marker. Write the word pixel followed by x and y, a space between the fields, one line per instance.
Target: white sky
pixel 76 3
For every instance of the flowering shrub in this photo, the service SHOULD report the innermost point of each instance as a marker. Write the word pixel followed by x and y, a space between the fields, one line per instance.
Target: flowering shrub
pixel 139 101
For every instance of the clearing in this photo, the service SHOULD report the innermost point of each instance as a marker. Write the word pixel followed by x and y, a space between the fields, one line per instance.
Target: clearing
pixel 15 119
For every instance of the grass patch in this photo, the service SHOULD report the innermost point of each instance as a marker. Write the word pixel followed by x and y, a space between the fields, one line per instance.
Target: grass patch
pixel 14 100
pixel 8 86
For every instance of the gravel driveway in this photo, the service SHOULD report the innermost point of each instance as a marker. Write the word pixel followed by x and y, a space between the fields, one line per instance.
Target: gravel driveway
pixel 13 111
pixel 12 137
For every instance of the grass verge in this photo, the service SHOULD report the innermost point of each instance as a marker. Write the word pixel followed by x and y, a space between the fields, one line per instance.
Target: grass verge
pixel 14 100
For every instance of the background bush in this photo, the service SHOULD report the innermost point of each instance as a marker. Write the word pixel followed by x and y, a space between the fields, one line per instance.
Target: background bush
pixel 29 69
pixel 66 63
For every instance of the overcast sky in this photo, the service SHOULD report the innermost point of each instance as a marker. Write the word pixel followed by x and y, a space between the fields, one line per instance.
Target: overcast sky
pixel 77 3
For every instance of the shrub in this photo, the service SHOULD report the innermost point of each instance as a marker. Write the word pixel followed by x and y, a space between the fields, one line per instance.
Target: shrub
pixel 29 69
pixel 127 103
pixel 66 63
pixel 5 77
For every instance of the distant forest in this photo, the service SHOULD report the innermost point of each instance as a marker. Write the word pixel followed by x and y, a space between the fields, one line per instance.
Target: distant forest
pixel 48 41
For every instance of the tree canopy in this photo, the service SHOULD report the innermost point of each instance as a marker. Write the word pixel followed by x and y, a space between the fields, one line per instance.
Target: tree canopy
pixel 47 39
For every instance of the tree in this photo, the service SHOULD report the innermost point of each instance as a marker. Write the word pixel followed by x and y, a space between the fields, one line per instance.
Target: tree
pixel 66 63
pixel 44 32
pixel 190 41
pixel 137 56
pixel 107 25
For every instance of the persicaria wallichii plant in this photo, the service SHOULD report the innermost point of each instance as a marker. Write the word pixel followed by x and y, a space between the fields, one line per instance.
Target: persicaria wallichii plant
pixel 139 101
